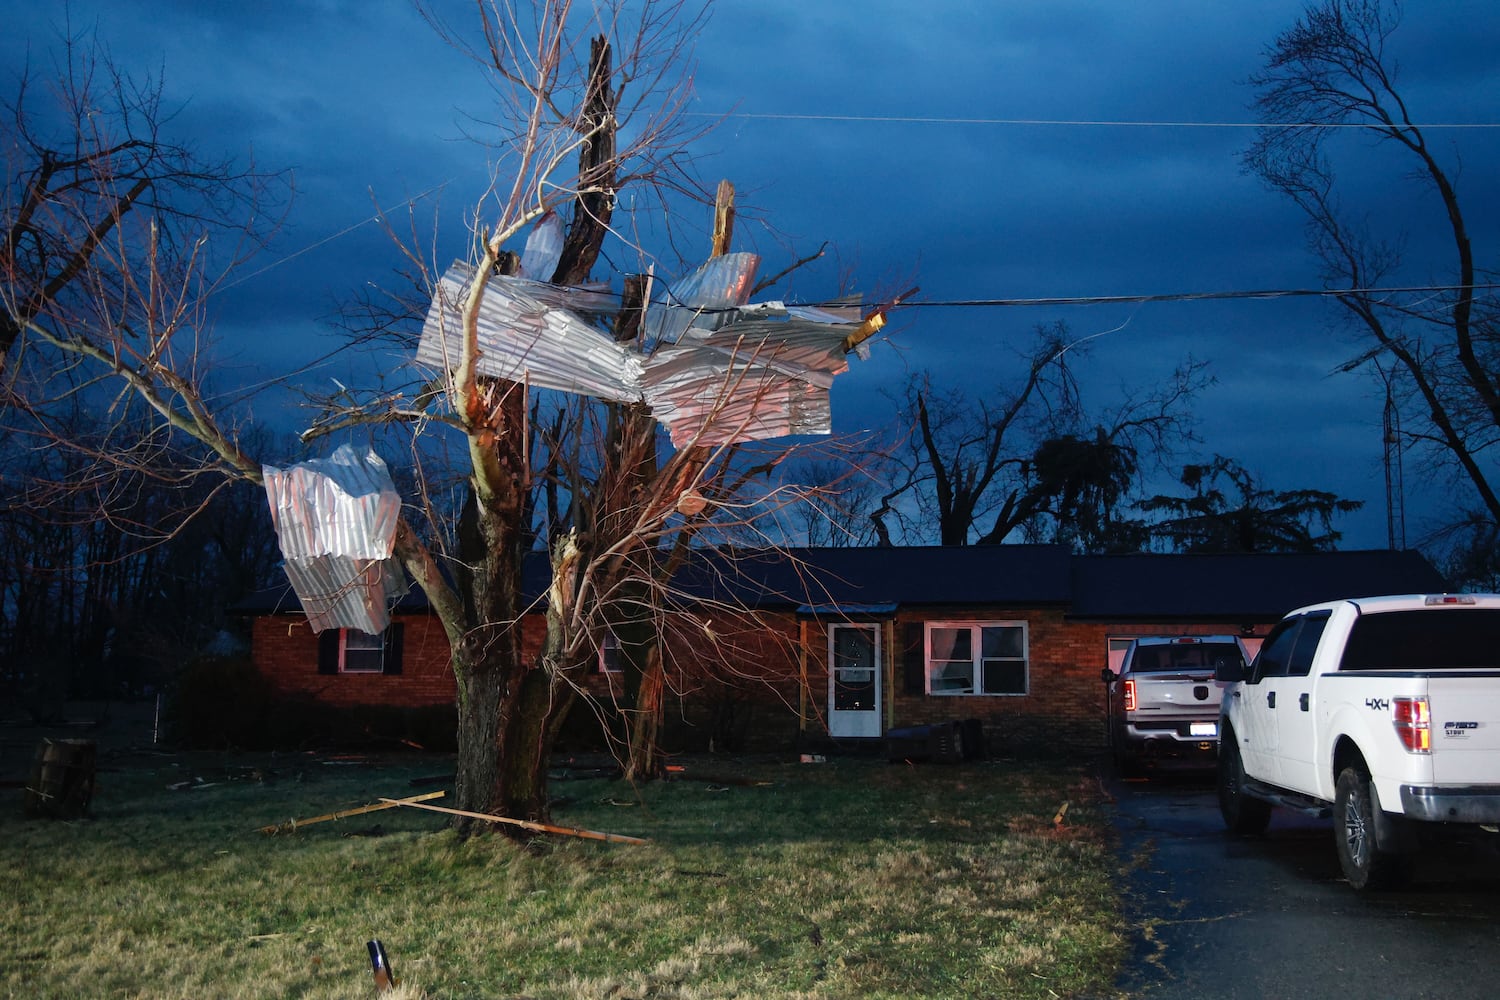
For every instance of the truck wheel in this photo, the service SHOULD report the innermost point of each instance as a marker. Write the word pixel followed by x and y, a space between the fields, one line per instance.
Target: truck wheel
pixel 1364 864
pixel 1242 813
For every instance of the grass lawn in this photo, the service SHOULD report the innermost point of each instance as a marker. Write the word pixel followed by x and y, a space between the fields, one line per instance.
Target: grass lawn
pixel 851 878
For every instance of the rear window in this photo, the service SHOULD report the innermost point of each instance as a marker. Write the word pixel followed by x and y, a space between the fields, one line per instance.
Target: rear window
pixel 1184 656
pixel 1424 640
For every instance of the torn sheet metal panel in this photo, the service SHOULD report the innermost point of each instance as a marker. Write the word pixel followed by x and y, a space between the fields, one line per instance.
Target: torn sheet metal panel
pixel 543 248
pixel 796 348
pixel 532 332
pixel 703 397
pixel 702 299
pixel 335 521
pixel 722 371
pixel 758 410
pixel 339 592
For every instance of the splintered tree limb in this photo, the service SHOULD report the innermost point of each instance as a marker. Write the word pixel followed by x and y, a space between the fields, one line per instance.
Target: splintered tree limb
pixel 291 826
pixel 613 838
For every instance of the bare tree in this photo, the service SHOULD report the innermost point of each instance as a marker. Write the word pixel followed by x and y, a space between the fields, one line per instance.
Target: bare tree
pixel 587 100
pixel 1247 517
pixel 1027 457
pixel 86 148
pixel 1333 68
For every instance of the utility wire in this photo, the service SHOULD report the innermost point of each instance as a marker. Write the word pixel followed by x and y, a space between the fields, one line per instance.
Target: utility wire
pixel 241 279
pixel 1272 293
pixel 1066 122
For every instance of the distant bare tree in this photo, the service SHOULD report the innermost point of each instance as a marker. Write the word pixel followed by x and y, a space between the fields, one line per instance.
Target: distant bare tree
pixel 1333 68
pixel 1246 517
pixel 1027 459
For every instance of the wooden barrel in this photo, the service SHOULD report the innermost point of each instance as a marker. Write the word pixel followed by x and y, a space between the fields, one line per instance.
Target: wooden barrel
pixel 62 779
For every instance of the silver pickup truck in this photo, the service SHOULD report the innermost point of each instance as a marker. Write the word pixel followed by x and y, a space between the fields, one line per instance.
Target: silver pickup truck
pixel 1164 703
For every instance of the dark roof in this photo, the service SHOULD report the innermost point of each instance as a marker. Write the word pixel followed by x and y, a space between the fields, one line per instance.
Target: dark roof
pixel 990 576
pixel 1256 586
pixel 282 600
pixel 1166 588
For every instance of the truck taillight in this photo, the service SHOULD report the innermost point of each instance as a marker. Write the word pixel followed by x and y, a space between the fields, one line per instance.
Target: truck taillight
pixel 1130 694
pixel 1413 722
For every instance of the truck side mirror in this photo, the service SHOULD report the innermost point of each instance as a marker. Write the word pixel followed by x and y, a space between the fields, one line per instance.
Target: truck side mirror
pixel 1229 671
pixel 1107 675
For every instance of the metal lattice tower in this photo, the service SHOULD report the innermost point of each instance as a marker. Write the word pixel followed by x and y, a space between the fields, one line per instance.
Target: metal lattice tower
pixel 1395 490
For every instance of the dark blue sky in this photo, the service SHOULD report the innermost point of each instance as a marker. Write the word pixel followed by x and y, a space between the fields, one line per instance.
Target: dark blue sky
pixel 913 140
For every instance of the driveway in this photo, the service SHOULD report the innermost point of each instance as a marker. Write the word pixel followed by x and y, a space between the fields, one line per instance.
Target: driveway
pixel 1218 916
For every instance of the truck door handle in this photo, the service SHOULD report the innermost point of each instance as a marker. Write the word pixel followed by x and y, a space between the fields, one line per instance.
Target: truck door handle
pixel 1302 701
pixel 1270 699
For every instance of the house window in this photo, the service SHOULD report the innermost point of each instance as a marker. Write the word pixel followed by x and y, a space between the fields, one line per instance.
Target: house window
pixel 611 659
pixel 360 652
pixel 350 651
pixel 976 658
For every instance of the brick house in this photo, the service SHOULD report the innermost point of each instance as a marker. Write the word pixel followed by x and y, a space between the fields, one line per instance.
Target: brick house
pixel 848 644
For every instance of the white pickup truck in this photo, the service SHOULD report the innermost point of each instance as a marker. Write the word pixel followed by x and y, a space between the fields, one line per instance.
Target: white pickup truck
pixel 1385 710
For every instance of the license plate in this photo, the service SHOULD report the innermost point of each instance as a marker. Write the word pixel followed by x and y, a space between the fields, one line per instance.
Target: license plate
pixel 1203 729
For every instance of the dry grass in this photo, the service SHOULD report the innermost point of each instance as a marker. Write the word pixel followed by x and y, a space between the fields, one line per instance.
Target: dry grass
pixel 850 878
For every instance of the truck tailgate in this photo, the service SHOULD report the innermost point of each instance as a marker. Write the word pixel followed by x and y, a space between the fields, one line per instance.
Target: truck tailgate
pixel 1178 695
pixel 1465 727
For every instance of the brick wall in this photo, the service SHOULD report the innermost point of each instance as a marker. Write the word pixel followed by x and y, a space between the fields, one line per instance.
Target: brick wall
pixel 285 650
pixel 757 681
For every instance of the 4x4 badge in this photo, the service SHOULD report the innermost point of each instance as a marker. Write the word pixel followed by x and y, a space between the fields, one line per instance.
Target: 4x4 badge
pixel 1378 704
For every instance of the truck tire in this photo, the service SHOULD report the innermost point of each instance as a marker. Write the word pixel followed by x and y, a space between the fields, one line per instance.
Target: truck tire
pixel 1242 813
pixel 1365 865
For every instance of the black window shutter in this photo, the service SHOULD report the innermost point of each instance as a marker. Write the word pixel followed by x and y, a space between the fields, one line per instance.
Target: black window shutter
pixel 392 657
pixel 328 650
pixel 914 662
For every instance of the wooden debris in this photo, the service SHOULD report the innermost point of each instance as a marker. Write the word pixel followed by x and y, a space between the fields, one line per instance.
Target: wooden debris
pixel 1061 812
pixel 291 826
pixel 613 838
pixel 722 780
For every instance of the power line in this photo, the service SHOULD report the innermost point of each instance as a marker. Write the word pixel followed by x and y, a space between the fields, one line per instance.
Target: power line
pixel 1064 122
pixel 1270 293
pixel 309 248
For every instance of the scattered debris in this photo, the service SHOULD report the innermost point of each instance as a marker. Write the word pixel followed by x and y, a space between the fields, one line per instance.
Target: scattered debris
pixel 720 779
pixel 613 838
pixel 584 773
pixel 291 826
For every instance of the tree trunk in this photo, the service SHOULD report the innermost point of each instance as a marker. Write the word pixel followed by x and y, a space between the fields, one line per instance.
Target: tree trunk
pixel 480 687
pixel 645 723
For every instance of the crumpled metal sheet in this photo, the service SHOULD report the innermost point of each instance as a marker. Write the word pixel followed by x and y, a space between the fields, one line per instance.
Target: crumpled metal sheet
pixel 703 299
pixel 543 248
pixel 335 521
pixel 339 592
pixel 719 371
pixel 532 332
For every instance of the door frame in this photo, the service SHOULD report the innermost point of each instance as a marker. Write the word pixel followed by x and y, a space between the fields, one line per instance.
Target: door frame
pixel 862 723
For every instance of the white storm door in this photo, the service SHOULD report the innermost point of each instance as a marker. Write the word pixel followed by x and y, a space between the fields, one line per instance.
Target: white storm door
pixel 854 680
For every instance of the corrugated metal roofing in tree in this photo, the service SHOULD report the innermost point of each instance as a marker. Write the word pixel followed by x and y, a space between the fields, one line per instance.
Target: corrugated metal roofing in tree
pixel 713 370
pixel 335 521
